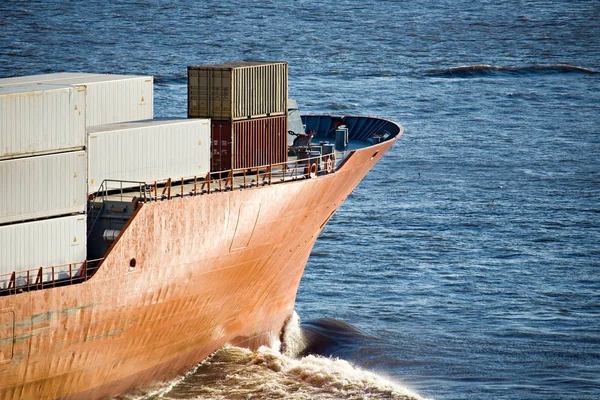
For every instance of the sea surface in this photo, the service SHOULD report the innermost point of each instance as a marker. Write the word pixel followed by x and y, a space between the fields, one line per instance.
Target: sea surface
pixel 467 264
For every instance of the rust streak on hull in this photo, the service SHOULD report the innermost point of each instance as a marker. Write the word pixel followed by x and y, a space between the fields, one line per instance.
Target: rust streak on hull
pixel 209 270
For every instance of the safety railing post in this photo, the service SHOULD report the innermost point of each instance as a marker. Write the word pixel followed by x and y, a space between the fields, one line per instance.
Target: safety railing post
pixel 230 179
pixel 12 283
pixel 83 274
pixel 39 281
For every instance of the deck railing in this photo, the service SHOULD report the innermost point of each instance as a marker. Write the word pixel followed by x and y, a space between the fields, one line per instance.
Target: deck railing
pixel 47 277
pixel 234 179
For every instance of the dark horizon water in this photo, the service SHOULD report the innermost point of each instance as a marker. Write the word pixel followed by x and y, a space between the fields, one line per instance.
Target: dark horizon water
pixel 466 264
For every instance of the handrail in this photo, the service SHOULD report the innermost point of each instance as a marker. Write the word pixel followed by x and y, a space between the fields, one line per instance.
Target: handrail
pixel 226 180
pixel 47 277
pixel 105 189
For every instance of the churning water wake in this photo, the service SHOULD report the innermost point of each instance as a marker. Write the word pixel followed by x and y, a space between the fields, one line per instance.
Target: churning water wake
pixel 288 372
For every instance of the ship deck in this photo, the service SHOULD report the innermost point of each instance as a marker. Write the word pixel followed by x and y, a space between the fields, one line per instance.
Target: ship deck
pixel 294 169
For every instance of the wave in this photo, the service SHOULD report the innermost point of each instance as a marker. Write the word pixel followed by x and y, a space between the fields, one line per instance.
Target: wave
pixel 237 373
pixel 166 80
pixel 468 71
pixel 329 336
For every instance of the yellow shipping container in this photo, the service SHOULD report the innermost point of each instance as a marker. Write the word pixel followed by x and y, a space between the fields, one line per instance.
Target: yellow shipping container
pixel 238 90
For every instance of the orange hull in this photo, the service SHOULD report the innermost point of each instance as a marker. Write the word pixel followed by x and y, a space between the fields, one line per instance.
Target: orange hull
pixel 209 270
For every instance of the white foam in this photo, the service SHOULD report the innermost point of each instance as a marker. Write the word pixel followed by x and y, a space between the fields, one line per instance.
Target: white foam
pixel 293 337
pixel 236 373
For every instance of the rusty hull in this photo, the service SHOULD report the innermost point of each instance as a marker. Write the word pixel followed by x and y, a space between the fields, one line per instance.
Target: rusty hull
pixel 209 270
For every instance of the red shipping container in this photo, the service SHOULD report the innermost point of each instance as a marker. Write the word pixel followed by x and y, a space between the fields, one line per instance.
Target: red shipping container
pixel 249 143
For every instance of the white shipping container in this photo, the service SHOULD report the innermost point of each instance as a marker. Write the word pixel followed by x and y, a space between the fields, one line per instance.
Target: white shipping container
pixel 115 98
pixel 43 186
pixel 38 119
pixel 148 151
pixel 111 98
pixel 37 79
pixel 55 242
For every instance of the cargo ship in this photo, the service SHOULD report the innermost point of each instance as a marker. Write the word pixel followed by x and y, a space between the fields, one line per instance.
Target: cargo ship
pixel 132 247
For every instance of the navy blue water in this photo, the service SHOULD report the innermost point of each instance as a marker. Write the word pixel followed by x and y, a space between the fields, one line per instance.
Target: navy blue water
pixel 469 257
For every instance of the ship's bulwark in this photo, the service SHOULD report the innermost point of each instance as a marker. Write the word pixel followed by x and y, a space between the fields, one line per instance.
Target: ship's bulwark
pixel 209 270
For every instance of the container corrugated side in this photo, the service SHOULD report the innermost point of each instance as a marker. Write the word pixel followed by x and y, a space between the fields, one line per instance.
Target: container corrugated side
pixel 111 98
pixel 259 142
pixel 238 91
pixel 220 145
pixel 37 119
pixel 249 143
pixel 43 186
pixel 148 151
pixel 43 243
pixel 209 93
pixel 260 91
pixel 115 98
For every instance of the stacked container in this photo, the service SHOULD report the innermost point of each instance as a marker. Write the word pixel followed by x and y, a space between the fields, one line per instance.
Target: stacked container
pixel 148 151
pixel 44 121
pixel 53 242
pixel 247 105
pixel 110 98
pixel 41 119
pixel 43 186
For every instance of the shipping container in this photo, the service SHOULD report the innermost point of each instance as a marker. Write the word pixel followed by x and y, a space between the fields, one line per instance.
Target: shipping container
pixel 249 143
pixel 237 91
pixel 116 98
pixel 38 119
pixel 221 140
pixel 43 186
pixel 148 151
pixel 110 98
pixel 38 79
pixel 44 243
